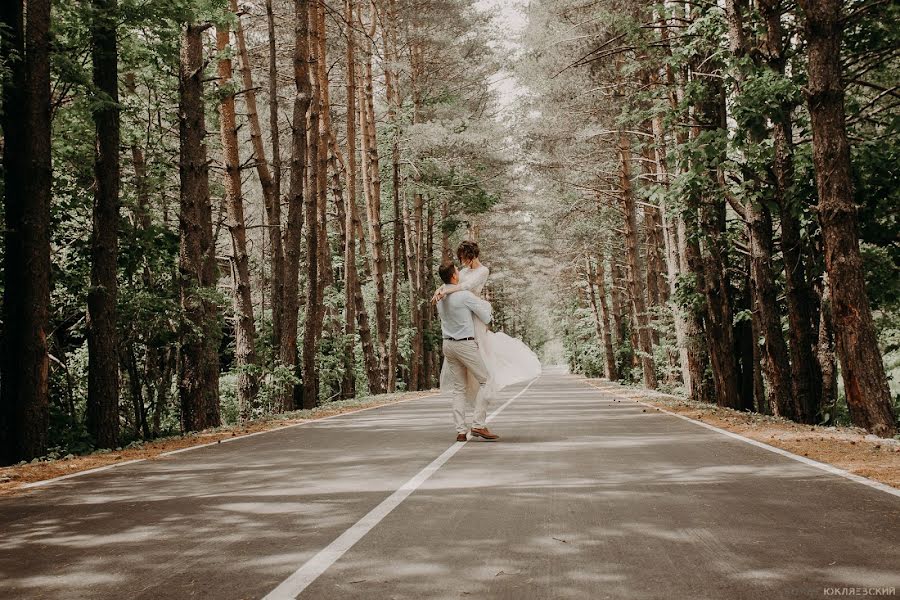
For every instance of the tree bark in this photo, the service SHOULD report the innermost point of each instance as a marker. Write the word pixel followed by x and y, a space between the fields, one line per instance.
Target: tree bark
pixel 350 274
pixel 269 183
pixel 601 315
pixel 393 350
pixel 389 39
pixel 244 322
pixel 102 414
pixel 642 320
pixel 431 372
pixel 24 402
pixel 710 206
pixel 372 176
pixel 694 328
pixel 668 236
pixel 324 250
pixel 825 353
pixel 412 273
pixel 354 297
pixel 296 198
pixel 775 364
pixel 311 211
pixel 198 369
pixel 862 368
pixel 766 311
pixel 618 311
pixel 805 376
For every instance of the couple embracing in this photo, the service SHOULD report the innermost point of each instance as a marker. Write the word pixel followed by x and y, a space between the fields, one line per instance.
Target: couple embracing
pixel 478 362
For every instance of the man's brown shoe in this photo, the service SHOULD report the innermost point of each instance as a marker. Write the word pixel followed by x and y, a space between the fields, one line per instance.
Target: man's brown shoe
pixel 485 434
pixel 460 437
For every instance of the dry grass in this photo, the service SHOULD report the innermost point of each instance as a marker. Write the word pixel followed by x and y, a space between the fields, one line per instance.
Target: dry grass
pixel 846 448
pixel 12 478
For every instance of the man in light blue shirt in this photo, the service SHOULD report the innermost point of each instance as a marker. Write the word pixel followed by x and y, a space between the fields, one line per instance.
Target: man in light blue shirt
pixel 461 355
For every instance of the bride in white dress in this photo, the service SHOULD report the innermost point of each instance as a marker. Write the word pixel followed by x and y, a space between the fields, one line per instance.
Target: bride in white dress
pixel 508 360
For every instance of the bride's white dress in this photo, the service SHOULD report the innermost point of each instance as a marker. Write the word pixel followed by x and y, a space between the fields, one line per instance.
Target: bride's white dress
pixel 508 360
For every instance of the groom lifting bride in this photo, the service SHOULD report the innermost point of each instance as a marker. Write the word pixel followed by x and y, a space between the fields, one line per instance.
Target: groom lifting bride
pixel 478 363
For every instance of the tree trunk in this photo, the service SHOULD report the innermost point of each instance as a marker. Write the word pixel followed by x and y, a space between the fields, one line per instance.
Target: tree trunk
pixel 805 377
pixel 244 323
pixel 24 412
pixel 825 354
pixel 354 297
pixel 642 320
pixel 350 274
pixel 427 310
pixel 372 175
pixel 775 364
pixel 391 82
pixel 348 382
pixel 766 311
pixel 710 206
pixel 753 358
pixel 324 250
pixel 688 324
pixel 311 210
pixel 694 329
pixel 862 368
pixel 270 184
pixel 618 311
pixel 393 351
pixel 102 414
pixel 198 376
pixel 412 272
pixel 601 316
pixel 293 238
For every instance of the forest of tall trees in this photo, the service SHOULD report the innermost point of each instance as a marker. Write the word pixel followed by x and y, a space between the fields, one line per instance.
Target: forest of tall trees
pixel 728 185
pixel 218 210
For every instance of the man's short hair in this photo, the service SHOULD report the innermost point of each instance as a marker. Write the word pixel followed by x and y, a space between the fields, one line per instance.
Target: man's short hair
pixel 446 270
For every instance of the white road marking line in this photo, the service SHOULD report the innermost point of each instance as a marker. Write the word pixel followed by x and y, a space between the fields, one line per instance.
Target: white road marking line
pixel 807 461
pixel 216 443
pixel 294 585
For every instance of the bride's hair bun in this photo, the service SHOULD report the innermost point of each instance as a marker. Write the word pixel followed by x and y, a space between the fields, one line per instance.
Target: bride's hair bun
pixel 468 250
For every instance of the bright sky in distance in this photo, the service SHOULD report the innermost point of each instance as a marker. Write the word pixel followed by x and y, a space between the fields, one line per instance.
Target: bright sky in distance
pixel 510 19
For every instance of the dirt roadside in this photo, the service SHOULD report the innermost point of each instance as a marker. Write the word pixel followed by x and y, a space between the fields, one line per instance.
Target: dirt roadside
pixel 847 448
pixel 14 477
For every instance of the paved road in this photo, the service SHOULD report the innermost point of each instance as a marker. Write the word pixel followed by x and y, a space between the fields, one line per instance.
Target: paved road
pixel 584 498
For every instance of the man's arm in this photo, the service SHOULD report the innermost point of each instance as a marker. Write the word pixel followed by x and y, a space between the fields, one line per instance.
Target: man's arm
pixel 480 308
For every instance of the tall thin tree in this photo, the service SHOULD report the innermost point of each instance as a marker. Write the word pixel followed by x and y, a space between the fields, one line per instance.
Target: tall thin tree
pixel 293 239
pixel 198 368
pixel 244 322
pixel 103 365
pixel 24 382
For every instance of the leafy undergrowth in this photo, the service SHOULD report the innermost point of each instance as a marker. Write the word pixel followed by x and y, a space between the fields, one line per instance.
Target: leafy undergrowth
pixel 847 448
pixel 12 478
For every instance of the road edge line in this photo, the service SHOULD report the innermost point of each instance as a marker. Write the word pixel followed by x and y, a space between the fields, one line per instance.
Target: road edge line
pixel 309 571
pixel 43 482
pixel 786 453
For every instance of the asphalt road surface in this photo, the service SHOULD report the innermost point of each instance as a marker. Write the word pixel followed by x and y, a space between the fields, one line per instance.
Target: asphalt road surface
pixel 584 497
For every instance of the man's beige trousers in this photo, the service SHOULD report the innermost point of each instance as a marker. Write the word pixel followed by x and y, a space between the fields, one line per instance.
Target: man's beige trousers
pixel 463 359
